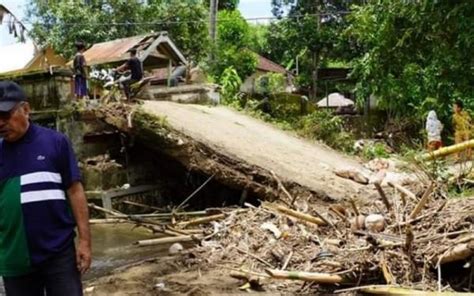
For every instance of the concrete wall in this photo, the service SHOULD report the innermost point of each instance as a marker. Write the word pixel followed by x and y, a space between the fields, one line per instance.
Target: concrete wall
pixel 45 91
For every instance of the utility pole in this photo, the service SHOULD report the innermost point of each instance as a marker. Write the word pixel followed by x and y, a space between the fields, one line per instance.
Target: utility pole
pixel 213 23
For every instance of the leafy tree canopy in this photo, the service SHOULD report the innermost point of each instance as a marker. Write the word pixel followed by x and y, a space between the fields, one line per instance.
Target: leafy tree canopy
pixel 232 49
pixel 62 23
pixel 225 4
pixel 417 55
pixel 309 31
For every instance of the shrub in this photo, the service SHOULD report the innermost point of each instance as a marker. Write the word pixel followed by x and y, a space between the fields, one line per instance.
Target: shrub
pixel 230 83
pixel 325 126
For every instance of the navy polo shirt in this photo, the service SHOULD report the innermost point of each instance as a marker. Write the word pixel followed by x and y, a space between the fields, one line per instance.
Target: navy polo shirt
pixel 35 218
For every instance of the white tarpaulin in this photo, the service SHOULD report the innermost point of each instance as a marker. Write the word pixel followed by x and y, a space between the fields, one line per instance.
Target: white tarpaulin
pixel 335 100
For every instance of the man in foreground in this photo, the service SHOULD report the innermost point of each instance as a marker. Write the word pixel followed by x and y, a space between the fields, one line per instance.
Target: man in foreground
pixel 41 200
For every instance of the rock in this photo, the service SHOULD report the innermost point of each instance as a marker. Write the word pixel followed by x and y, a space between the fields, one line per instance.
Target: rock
pixel 375 223
pixel 175 248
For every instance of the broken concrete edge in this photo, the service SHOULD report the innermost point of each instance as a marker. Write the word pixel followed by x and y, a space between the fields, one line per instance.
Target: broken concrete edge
pixel 156 134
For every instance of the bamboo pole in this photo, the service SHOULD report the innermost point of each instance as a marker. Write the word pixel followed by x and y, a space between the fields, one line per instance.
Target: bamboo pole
pixel 354 207
pixel 107 221
pixel 320 278
pixel 422 202
pixel 383 196
pixel 337 213
pixel 403 190
pixel 447 150
pixel 282 187
pixel 110 212
pixel 136 204
pixel 296 214
pixel 201 220
pixel 249 277
pixel 117 214
pixel 166 240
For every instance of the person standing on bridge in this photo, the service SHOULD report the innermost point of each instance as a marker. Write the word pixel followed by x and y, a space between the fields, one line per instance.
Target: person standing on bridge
pixel 41 201
pixel 80 72
pixel 135 66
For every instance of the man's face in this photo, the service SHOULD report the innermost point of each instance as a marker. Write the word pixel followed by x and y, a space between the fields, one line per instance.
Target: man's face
pixel 14 124
pixel 456 108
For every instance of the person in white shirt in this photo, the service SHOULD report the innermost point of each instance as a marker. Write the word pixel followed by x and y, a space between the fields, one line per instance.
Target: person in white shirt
pixel 434 127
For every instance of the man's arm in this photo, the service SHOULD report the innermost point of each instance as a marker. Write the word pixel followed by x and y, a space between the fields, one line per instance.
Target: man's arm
pixel 123 67
pixel 80 211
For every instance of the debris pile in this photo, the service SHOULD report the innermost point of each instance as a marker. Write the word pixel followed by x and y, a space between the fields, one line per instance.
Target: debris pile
pixel 343 245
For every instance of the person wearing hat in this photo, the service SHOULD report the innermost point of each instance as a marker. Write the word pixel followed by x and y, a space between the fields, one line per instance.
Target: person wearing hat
pixel 41 202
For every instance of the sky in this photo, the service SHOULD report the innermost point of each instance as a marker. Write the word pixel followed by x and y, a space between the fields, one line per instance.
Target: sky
pixel 249 9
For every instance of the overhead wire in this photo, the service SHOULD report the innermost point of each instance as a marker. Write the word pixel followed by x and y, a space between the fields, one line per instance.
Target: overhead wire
pixel 170 22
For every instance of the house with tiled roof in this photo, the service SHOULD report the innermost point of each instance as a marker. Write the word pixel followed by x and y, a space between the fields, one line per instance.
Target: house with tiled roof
pixel 265 66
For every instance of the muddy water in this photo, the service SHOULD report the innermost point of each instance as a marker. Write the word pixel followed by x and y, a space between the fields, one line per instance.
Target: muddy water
pixel 112 247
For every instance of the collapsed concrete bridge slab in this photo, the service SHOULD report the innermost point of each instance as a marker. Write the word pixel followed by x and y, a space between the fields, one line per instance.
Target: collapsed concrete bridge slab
pixel 239 151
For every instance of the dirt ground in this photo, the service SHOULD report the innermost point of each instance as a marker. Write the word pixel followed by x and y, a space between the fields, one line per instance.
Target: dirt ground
pixel 309 164
pixel 165 276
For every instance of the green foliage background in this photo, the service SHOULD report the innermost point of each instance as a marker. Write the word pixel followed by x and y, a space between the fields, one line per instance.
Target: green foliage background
pixel 414 56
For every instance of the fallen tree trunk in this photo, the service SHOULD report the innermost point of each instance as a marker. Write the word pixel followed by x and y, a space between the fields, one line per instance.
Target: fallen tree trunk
pixel 447 150
pixel 316 277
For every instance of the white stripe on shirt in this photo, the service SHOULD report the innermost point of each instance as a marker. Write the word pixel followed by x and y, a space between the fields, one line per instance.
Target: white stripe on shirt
pixel 42 195
pixel 40 177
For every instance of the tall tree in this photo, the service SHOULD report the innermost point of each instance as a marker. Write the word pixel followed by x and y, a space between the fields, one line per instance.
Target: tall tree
pixel 310 32
pixel 61 23
pixel 186 21
pixel 225 4
pixel 233 43
pixel 417 54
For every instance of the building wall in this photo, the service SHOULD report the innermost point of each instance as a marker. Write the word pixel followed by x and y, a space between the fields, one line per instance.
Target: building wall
pixel 248 86
pixel 45 91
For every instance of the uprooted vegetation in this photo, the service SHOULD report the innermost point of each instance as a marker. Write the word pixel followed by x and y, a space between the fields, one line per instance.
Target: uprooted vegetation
pixel 418 241
pixel 339 246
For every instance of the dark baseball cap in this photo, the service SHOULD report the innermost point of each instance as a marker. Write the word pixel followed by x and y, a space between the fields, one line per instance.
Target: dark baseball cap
pixel 10 95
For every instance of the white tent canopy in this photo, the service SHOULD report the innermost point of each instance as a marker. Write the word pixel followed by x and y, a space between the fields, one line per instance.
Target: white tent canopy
pixel 335 100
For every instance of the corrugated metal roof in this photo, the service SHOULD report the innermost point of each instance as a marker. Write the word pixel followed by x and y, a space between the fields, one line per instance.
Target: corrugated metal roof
pixel 111 51
pixel 266 65
pixel 117 50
